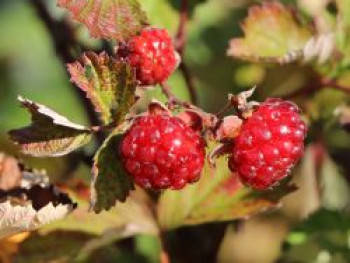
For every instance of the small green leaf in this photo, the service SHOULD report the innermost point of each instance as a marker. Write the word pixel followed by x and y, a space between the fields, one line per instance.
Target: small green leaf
pixel 271 32
pixel 110 19
pixel 108 83
pixel 216 197
pixel 110 181
pixel 50 134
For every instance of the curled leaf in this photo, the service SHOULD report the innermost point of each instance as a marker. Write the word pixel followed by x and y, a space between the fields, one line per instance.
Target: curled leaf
pixel 28 209
pixel 110 19
pixel 109 84
pixel 110 182
pixel 50 134
pixel 271 32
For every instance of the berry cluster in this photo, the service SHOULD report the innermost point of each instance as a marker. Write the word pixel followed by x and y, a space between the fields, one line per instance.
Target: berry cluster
pixel 160 151
pixel 269 144
pixel 152 54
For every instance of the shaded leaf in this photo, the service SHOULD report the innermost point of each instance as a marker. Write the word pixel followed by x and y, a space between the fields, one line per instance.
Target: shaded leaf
pixel 135 216
pixel 28 209
pixel 110 19
pixel 216 197
pixel 110 182
pixel 59 246
pixel 271 32
pixel 108 83
pixel 136 212
pixel 50 134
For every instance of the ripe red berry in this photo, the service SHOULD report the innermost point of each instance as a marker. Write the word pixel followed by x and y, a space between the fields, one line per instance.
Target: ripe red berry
pixel 269 145
pixel 153 55
pixel 160 151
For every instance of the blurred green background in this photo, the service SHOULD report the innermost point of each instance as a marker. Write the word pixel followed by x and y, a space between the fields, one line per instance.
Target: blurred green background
pixel 30 67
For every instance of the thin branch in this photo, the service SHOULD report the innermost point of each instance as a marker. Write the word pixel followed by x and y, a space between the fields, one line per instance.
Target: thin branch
pixel 332 83
pixel 317 84
pixel 180 43
pixel 173 101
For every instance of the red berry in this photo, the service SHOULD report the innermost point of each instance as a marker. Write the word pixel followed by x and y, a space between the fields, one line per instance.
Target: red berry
pixel 153 55
pixel 269 145
pixel 160 151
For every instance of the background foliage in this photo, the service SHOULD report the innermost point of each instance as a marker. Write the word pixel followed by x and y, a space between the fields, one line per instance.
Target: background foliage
pixel 29 66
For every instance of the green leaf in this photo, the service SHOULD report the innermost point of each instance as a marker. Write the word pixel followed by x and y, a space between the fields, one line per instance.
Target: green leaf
pixel 110 19
pixel 108 83
pixel 50 134
pixel 110 182
pixel 271 32
pixel 216 197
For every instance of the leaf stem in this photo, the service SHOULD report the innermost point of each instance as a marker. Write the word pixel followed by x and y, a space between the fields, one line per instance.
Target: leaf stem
pixel 172 99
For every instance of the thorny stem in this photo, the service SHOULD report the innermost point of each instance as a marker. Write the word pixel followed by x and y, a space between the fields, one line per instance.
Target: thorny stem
pixel 180 43
pixel 64 41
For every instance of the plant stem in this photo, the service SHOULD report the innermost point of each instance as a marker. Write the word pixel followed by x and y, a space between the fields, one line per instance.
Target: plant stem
pixel 180 42
pixel 64 41
pixel 172 99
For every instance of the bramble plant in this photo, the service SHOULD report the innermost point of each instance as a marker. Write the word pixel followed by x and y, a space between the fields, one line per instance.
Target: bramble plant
pixel 173 164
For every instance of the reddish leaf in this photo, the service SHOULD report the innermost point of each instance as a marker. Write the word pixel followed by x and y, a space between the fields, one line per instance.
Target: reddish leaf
pixel 111 19
pixel 109 83
pixel 216 197
pixel 271 32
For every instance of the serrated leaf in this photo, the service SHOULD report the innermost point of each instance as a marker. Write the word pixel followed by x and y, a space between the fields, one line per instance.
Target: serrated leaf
pixel 216 197
pixel 271 32
pixel 110 182
pixel 28 209
pixel 110 19
pixel 108 83
pixel 50 134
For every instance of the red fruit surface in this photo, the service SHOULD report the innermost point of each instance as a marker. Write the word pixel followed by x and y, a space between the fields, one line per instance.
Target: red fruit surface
pixel 161 152
pixel 269 145
pixel 153 55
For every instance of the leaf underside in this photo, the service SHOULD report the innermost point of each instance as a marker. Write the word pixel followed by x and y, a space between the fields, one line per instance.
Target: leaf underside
pixel 49 134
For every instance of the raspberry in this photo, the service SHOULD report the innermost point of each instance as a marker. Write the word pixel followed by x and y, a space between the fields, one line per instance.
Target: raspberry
pixel 160 151
pixel 269 145
pixel 153 55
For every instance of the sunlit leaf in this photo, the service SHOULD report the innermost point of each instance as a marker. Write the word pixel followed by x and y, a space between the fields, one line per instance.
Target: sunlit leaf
pixel 110 19
pixel 49 134
pixel 217 196
pixel 271 32
pixel 108 83
pixel 110 181
pixel 28 209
